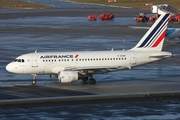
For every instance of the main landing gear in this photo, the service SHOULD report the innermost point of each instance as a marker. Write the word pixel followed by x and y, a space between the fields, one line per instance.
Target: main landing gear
pixel 34 79
pixel 90 80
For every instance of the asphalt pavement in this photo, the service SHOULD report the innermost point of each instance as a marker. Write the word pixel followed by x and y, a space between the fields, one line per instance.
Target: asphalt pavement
pixel 66 28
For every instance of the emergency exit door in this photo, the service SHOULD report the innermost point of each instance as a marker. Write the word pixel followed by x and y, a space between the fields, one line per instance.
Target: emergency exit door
pixel 34 61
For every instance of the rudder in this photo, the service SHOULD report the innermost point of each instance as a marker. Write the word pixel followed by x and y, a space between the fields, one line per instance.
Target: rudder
pixel 154 38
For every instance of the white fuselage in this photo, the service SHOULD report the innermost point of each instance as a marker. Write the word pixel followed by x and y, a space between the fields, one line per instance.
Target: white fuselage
pixel 53 62
pixel 71 66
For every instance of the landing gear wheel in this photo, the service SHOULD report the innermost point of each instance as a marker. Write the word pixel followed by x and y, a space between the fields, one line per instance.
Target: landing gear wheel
pixel 92 81
pixel 33 82
pixel 34 79
pixel 85 80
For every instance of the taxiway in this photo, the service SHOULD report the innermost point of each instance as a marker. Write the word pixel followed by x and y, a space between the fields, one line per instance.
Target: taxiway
pixel 56 92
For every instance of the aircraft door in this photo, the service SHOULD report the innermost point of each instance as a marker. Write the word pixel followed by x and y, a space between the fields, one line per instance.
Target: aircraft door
pixel 133 59
pixel 34 61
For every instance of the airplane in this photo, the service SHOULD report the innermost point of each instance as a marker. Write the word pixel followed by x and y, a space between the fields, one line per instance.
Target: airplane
pixel 71 66
pixel 171 33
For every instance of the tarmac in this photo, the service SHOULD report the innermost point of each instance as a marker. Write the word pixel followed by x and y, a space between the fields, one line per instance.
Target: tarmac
pixel 15 94
pixel 57 92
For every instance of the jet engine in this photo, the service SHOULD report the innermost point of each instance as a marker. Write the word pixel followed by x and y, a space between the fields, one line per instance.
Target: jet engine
pixel 67 76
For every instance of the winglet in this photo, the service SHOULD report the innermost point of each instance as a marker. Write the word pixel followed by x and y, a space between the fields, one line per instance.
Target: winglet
pixel 154 38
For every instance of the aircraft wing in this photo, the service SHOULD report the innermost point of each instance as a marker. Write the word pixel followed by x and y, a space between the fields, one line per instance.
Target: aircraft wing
pixel 90 69
pixel 96 69
pixel 139 27
pixel 171 33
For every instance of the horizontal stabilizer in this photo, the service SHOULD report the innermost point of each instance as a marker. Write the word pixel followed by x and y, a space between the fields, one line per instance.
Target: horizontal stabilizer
pixel 161 55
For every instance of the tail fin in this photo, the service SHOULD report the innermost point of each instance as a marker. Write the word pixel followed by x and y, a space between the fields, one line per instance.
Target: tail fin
pixel 154 38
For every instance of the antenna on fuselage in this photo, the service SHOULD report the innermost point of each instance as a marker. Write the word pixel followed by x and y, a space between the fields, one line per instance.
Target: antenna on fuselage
pixel 112 49
pixel 35 51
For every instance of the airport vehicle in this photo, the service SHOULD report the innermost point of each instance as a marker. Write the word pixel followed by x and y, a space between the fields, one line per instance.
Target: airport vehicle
pixel 71 66
pixel 141 18
pixel 92 17
pixel 171 33
pixel 108 16
pixel 177 18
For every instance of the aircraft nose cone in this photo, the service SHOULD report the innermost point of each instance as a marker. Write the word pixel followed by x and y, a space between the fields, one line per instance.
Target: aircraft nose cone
pixel 9 67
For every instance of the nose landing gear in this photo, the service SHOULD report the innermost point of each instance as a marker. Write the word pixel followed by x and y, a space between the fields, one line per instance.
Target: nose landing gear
pixel 34 79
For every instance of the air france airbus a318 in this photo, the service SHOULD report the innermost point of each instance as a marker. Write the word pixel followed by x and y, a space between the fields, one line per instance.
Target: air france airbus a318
pixel 71 66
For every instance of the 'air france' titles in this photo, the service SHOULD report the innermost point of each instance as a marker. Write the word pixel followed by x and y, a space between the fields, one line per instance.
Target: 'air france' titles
pixel 56 56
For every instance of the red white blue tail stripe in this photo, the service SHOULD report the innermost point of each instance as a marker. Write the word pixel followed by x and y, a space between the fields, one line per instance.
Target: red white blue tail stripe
pixel 154 37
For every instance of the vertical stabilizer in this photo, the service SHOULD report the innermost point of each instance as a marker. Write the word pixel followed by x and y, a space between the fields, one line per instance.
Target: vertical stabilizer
pixel 154 38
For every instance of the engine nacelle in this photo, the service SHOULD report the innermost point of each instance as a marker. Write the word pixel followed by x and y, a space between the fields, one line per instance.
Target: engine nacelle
pixel 67 76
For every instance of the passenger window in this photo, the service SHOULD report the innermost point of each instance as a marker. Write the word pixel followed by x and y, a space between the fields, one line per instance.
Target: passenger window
pixel 22 60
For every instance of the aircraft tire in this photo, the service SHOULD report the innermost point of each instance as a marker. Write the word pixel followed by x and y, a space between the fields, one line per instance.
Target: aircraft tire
pixel 85 80
pixel 33 82
pixel 92 81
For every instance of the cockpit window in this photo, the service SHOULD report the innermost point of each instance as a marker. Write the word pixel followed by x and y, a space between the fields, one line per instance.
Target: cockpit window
pixel 19 60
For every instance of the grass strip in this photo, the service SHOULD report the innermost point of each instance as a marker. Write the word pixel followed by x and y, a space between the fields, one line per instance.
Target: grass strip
pixel 20 4
pixel 133 3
